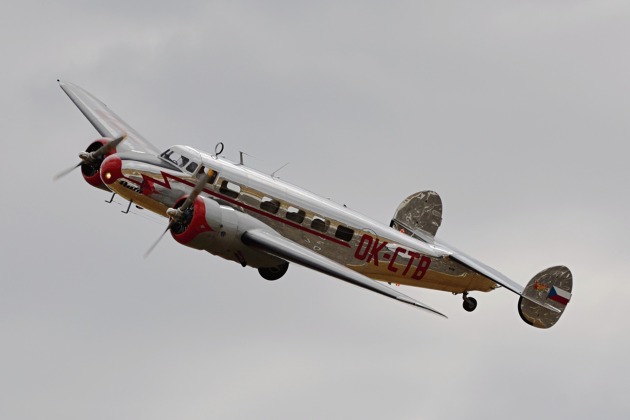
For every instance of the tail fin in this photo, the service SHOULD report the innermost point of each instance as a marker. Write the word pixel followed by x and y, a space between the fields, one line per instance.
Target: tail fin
pixel 551 287
pixel 420 211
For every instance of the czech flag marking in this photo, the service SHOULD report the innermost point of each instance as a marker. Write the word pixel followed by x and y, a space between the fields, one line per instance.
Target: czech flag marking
pixel 558 295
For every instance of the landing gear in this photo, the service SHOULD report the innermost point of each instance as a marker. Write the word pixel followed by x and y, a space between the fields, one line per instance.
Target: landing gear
pixel 469 303
pixel 273 273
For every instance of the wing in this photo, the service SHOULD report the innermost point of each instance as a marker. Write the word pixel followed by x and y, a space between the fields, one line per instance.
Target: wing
pixel 283 248
pixel 104 120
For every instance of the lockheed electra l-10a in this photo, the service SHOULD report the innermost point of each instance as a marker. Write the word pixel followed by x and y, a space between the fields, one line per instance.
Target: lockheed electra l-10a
pixel 235 212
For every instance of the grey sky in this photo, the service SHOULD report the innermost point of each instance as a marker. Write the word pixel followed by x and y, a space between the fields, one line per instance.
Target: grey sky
pixel 516 112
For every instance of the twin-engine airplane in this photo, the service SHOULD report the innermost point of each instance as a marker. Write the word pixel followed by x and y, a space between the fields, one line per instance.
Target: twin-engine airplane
pixel 257 220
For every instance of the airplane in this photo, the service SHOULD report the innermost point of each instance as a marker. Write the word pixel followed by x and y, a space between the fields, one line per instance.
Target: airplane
pixel 240 214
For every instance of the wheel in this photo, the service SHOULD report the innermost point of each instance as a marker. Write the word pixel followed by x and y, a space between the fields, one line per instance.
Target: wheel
pixel 470 304
pixel 273 273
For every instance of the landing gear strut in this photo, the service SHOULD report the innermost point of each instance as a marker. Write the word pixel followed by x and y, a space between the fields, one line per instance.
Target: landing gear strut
pixel 469 303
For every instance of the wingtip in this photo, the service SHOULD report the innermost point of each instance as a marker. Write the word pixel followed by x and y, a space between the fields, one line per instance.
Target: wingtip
pixel 436 312
pixel 64 83
pixel 424 307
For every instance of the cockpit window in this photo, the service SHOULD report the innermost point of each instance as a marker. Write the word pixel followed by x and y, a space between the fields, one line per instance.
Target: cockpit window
pixel 191 167
pixel 175 158
pixel 182 161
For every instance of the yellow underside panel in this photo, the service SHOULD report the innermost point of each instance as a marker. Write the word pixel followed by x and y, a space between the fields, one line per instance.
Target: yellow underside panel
pixel 465 282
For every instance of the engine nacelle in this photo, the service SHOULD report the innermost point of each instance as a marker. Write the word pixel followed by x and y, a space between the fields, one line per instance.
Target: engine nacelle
pixel 91 171
pixel 209 226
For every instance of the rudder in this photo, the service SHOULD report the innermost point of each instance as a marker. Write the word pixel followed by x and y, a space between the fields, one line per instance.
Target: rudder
pixel 420 211
pixel 551 286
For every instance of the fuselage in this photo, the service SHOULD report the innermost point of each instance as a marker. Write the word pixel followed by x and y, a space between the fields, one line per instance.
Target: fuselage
pixel 330 229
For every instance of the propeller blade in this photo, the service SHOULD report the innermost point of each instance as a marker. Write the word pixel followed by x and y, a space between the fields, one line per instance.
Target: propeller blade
pixel 175 214
pixel 170 224
pixel 103 150
pixel 66 171
pixel 109 146
pixel 196 191
pixel 92 156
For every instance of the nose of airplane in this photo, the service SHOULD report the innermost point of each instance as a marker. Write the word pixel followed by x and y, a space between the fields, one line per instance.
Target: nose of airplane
pixel 111 169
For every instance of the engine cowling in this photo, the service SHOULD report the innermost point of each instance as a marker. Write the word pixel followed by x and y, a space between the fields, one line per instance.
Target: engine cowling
pixel 91 170
pixel 207 225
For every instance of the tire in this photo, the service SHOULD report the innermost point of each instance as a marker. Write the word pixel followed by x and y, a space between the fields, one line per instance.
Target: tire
pixel 273 273
pixel 470 304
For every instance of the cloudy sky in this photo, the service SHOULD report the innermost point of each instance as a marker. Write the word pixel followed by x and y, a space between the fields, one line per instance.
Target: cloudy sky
pixel 516 112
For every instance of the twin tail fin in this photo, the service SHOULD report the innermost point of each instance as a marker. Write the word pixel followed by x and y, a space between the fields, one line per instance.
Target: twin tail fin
pixel 546 296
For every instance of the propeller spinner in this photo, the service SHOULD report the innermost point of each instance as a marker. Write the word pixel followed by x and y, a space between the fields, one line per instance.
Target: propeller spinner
pixel 93 158
pixel 176 215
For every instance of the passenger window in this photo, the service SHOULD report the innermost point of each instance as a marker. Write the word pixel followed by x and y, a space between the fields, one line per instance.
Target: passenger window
pixel 319 224
pixel 296 215
pixel 230 189
pixel 191 168
pixel 213 176
pixel 270 205
pixel 344 233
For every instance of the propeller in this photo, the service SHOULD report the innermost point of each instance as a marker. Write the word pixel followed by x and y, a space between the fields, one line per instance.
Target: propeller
pixel 88 158
pixel 176 215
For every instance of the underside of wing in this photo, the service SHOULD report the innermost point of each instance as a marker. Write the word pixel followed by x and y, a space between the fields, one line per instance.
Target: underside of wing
pixel 283 248
pixel 104 120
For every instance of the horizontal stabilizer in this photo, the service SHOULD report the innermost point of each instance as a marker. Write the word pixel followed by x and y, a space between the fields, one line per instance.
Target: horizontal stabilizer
pixel 419 214
pixel 546 296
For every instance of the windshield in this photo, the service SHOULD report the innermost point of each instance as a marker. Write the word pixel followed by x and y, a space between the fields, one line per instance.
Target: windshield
pixel 175 158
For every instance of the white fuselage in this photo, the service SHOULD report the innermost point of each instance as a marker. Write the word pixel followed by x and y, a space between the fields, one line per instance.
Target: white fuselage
pixel 317 223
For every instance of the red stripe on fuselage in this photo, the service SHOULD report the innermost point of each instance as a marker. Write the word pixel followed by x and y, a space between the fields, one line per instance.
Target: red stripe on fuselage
pixel 166 184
